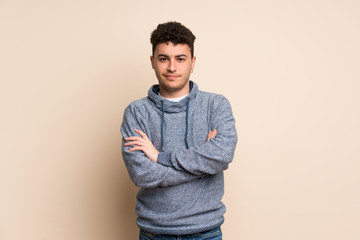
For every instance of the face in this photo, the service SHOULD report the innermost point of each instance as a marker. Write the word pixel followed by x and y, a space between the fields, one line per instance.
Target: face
pixel 173 65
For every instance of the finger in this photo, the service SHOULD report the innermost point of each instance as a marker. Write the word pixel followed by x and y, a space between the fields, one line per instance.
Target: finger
pixel 133 138
pixel 136 148
pixel 208 136
pixel 214 133
pixel 138 143
pixel 211 134
pixel 142 134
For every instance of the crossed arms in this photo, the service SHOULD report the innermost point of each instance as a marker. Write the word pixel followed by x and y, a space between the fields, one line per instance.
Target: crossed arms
pixel 143 143
pixel 150 168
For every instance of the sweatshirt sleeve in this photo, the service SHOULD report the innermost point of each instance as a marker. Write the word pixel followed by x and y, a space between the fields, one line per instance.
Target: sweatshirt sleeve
pixel 210 157
pixel 142 171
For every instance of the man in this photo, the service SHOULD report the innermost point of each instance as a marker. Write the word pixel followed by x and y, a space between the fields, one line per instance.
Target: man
pixel 176 144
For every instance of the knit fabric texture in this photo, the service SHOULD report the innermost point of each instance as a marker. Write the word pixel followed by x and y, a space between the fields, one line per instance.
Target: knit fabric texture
pixel 181 193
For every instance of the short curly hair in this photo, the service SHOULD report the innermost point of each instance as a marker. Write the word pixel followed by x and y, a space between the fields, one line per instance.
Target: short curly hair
pixel 172 32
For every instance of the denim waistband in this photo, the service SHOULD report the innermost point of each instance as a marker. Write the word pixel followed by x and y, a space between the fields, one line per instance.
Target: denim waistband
pixel 207 233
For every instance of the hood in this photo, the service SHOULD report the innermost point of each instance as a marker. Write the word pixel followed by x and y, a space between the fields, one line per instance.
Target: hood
pixel 173 107
pixel 168 106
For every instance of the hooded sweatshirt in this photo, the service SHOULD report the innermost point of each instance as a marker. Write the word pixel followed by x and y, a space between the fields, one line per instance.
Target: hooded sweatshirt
pixel 181 193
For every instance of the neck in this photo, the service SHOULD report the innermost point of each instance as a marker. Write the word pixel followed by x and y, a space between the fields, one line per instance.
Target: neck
pixel 167 93
pixel 170 95
pixel 177 99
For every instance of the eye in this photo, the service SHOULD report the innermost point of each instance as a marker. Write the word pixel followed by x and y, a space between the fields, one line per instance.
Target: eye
pixel 163 59
pixel 181 59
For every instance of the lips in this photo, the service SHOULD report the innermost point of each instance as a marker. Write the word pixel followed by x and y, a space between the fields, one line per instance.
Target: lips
pixel 171 76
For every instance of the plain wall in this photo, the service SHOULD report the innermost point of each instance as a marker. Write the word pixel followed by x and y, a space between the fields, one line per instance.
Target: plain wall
pixel 290 69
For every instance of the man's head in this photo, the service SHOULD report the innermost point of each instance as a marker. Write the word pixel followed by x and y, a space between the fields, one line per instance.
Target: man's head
pixel 172 32
pixel 172 59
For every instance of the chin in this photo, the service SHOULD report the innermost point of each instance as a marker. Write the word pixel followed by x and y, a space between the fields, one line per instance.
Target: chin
pixel 171 84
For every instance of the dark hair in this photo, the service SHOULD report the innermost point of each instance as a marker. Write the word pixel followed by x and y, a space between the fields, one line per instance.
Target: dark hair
pixel 172 32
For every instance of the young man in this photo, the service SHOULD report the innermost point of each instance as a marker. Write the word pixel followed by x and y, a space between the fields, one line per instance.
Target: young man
pixel 176 144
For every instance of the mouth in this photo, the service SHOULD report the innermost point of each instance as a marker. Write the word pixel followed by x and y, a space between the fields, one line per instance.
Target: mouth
pixel 169 76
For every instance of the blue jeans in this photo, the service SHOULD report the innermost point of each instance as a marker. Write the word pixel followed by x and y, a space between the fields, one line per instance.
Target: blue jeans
pixel 214 234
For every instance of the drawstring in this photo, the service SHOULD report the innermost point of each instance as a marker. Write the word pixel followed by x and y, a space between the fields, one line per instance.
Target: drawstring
pixel 162 125
pixel 186 123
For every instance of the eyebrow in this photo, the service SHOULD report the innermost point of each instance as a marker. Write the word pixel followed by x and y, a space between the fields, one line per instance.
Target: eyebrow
pixel 164 55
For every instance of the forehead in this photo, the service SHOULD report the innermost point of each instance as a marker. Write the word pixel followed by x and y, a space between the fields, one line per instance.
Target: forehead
pixel 172 49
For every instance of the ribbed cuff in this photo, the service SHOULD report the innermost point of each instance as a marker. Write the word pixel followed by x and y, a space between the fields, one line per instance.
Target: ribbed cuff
pixel 164 158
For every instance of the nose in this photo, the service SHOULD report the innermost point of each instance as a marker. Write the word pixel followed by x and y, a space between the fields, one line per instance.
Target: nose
pixel 171 66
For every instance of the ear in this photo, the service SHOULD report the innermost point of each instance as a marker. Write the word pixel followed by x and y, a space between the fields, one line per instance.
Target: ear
pixel 193 60
pixel 152 61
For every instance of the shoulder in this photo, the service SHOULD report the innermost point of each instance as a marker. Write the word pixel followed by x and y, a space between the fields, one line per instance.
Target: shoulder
pixel 213 99
pixel 138 106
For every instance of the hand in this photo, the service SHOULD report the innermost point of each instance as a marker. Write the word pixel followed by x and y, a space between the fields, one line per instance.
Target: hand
pixel 144 144
pixel 211 134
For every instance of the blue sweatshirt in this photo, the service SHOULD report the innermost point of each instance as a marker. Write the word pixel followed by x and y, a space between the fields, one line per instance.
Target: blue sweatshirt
pixel 181 193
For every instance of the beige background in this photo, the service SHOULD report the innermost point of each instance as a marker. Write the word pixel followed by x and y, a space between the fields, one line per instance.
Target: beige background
pixel 289 68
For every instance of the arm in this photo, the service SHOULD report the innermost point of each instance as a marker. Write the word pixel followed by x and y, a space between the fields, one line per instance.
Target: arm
pixel 212 156
pixel 142 171
pixel 143 143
